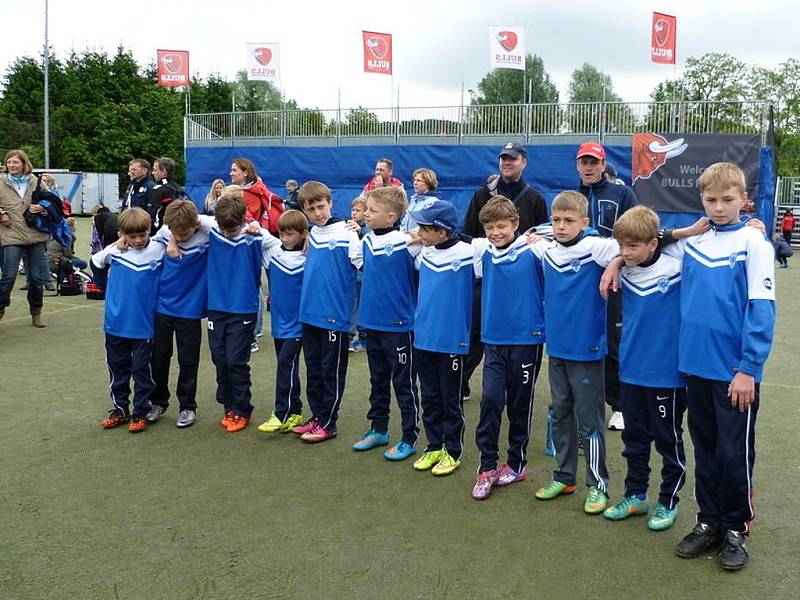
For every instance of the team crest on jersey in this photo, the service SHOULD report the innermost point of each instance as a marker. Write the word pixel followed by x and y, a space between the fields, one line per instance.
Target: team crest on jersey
pixel 154 265
pixel 663 285
pixel 768 283
pixel 575 264
pixel 732 260
pixel 332 244
pixel 512 254
pixel 388 250
pixel 456 264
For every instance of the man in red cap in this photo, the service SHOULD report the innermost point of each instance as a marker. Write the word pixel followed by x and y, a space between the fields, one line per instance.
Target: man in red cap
pixel 607 203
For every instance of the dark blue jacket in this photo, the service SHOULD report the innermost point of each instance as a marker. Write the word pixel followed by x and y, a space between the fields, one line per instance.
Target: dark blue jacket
pixel 607 202
pixel 137 197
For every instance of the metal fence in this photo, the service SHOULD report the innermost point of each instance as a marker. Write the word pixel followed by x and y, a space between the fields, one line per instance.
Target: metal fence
pixel 517 120
pixel 787 192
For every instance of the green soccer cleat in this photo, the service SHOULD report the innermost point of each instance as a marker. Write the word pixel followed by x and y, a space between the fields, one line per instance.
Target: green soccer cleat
pixel 271 425
pixel 447 465
pixel 291 422
pixel 627 507
pixel 662 518
pixel 428 459
pixel 553 489
pixel 596 501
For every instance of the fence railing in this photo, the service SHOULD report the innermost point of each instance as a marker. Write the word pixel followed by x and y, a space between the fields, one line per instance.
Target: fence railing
pixel 787 191
pixel 516 120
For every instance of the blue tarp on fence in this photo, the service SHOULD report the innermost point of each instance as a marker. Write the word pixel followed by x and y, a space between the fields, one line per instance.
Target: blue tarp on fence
pixel 461 169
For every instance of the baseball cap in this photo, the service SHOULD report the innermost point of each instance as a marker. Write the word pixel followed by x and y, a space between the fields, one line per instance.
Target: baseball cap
pixel 438 213
pixel 592 149
pixel 513 150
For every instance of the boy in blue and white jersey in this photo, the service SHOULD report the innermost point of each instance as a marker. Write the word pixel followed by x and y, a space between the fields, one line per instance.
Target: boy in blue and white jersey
pixel 512 331
pixel 182 299
pixel 727 323
pixel 653 392
pixel 326 307
pixel 575 318
pixel 234 279
pixel 447 269
pixel 388 301
pixel 135 268
pixel 285 261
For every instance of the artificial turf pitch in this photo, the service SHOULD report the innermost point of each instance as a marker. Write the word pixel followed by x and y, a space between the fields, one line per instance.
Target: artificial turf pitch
pixel 199 513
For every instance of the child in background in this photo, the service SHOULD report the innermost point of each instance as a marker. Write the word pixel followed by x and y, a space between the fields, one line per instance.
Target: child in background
pixel 575 318
pixel 782 250
pixel 388 299
pixel 285 261
pixel 130 308
pixel 326 307
pixel 447 269
pixel 653 393
pixel 358 211
pixel 512 331
pixel 182 299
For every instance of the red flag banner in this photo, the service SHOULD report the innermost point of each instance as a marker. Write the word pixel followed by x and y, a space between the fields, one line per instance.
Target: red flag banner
pixel 662 39
pixel 173 68
pixel 377 52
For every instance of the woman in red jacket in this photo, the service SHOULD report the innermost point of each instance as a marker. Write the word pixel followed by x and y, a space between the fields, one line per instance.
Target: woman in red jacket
pixel 787 225
pixel 262 205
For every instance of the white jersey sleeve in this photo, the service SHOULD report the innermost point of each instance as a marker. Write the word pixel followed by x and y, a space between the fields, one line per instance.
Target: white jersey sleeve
pixel 760 264
pixel 604 250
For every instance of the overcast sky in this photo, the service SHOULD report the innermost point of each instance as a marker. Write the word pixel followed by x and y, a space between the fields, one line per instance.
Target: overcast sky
pixel 437 43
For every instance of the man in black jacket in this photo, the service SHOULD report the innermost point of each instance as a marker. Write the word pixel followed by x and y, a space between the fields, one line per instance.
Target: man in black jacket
pixel 607 202
pixel 141 183
pixel 164 191
pixel 532 209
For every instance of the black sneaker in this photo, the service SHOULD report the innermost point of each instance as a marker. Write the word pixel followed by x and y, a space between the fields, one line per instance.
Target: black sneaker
pixel 734 553
pixel 702 537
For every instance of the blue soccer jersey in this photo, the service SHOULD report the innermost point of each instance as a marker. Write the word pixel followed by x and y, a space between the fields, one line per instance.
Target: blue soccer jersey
pixel 512 294
pixel 388 288
pixel 727 303
pixel 329 282
pixel 648 350
pixel 234 271
pixel 132 291
pixel 286 271
pixel 183 289
pixel 574 310
pixel 444 303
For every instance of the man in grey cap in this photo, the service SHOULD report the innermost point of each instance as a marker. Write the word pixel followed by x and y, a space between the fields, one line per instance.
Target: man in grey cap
pixel 532 209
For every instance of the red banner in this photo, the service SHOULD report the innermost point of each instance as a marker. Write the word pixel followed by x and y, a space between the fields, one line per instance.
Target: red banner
pixel 662 39
pixel 173 68
pixel 377 52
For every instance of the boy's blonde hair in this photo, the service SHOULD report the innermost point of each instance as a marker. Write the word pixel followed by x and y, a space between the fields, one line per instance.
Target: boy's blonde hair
pixel 498 208
pixel 428 176
pixel 293 220
pixel 48 181
pixel 393 199
pixel 572 201
pixel 722 176
pixel 230 210
pixel 359 201
pixel 134 220
pixel 637 224
pixel 181 215
pixel 313 191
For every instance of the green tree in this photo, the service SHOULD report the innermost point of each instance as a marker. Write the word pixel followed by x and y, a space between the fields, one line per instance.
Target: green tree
pixel 595 106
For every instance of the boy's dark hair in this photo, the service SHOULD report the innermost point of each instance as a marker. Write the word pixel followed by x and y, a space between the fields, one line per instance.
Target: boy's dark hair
pixel 637 224
pixel 392 198
pixel 313 191
pixel 231 209
pixel 293 220
pixel 498 208
pixel 181 214
pixel 134 220
pixel 167 164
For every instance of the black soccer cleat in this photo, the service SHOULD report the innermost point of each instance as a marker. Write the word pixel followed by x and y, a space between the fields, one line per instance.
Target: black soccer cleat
pixel 702 537
pixel 734 553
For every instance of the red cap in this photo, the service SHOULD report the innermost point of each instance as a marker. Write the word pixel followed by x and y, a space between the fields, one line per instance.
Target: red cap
pixel 591 149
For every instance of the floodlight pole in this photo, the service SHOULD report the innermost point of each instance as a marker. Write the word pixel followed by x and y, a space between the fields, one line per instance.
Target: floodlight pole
pixel 46 93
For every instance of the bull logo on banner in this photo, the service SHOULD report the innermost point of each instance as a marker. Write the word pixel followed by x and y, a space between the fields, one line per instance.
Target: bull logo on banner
pixel 173 67
pixel 377 52
pixel 263 55
pixel 661 30
pixel 508 40
pixel 650 151
pixel 666 168
pixel 173 63
pixel 377 47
